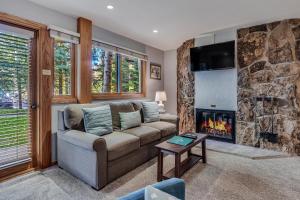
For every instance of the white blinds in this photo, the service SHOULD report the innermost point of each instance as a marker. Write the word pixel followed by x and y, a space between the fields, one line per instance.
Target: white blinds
pixel 15 115
pixel 63 34
pixel 120 50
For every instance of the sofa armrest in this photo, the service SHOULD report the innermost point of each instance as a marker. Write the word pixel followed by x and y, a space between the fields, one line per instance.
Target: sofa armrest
pixel 83 155
pixel 84 140
pixel 173 186
pixel 170 118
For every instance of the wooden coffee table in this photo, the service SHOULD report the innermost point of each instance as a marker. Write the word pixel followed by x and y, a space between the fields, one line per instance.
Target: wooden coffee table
pixel 177 150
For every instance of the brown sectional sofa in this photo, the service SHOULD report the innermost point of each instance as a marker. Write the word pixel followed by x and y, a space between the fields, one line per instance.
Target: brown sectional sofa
pixel 98 160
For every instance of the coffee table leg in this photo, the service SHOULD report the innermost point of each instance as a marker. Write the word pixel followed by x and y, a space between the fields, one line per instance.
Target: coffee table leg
pixel 189 153
pixel 204 151
pixel 160 166
pixel 177 165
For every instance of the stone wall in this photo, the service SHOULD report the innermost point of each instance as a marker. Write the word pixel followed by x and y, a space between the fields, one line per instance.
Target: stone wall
pixel 185 88
pixel 269 65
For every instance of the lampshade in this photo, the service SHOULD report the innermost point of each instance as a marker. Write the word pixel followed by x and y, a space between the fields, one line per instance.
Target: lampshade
pixel 161 96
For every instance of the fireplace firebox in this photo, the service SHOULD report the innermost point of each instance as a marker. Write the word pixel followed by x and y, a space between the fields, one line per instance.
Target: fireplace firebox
pixel 218 124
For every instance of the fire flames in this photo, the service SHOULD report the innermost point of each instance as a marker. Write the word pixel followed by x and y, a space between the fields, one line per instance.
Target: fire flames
pixel 219 126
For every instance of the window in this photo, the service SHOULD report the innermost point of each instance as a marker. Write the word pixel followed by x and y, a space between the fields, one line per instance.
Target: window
pixel 104 71
pixel 15 96
pixel 64 71
pixel 115 74
pixel 131 75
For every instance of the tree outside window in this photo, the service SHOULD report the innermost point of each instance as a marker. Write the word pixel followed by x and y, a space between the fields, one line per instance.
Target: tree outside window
pixel 113 73
pixel 104 71
pixel 63 64
pixel 130 74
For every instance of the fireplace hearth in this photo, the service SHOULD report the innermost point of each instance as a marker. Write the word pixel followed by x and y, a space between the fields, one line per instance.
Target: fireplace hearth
pixel 218 124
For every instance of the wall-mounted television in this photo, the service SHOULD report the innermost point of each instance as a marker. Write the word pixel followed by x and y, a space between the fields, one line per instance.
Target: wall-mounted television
pixel 213 57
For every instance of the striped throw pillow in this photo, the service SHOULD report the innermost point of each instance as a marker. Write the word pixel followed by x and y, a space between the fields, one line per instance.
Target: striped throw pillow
pixel 130 119
pixel 97 120
pixel 150 111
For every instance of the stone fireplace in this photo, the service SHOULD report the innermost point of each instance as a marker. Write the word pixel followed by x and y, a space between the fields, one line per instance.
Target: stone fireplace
pixel 268 112
pixel 268 86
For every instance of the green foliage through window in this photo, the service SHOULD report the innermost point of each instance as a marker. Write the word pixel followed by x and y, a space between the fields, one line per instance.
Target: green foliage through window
pixel 130 74
pixel 114 73
pixel 104 71
pixel 63 68
pixel 15 59
pixel 14 62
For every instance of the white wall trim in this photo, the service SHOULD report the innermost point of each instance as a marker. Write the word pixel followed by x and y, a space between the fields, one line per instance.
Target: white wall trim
pixel 118 46
pixel 60 29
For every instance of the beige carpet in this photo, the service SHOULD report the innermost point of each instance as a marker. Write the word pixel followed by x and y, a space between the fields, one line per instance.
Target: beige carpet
pixel 225 176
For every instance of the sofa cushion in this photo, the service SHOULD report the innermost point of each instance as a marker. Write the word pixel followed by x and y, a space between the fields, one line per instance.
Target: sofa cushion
pixel 151 111
pixel 146 134
pixel 138 106
pixel 165 128
pixel 97 120
pixel 117 107
pixel 119 144
pixel 168 118
pixel 130 119
pixel 73 115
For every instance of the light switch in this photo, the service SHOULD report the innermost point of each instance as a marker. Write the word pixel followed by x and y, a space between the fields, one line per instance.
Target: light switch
pixel 46 72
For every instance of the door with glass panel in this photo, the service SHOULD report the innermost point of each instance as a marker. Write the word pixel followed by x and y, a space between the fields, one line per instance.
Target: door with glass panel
pixel 17 100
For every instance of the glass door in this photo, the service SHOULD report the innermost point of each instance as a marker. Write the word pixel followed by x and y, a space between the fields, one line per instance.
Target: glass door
pixel 16 96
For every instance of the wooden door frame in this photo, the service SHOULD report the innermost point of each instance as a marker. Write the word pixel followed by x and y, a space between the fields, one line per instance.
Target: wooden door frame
pixel 41 137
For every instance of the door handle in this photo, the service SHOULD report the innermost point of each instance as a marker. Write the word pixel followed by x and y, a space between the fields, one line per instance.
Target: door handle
pixel 33 106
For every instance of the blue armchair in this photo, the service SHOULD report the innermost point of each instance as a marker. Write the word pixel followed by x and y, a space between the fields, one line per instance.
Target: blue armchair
pixel 173 186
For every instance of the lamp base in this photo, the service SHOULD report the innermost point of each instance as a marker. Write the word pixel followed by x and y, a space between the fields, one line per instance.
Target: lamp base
pixel 161 107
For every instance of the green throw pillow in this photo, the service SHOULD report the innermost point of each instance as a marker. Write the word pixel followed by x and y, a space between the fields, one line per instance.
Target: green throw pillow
pixel 150 111
pixel 130 119
pixel 97 120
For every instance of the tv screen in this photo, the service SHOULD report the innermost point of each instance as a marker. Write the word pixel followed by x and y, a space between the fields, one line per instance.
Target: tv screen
pixel 213 57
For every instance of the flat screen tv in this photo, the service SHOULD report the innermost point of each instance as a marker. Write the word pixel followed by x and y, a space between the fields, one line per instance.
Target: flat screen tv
pixel 213 57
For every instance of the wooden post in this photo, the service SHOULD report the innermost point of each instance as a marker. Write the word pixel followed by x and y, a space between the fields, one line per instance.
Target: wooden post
pixel 45 97
pixel 84 27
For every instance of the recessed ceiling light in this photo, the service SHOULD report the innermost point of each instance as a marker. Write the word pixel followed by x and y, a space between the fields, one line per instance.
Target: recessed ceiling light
pixel 109 7
pixel 155 31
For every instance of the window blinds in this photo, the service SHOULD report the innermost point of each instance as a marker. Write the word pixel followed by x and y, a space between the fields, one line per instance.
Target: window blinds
pixel 15 117
pixel 120 50
pixel 63 34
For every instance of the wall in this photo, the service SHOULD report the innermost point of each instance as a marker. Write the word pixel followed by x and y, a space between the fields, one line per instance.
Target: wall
pixel 269 66
pixel 34 12
pixel 110 37
pixel 153 85
pixel 216 87
pixel 211 87
pixel 170 80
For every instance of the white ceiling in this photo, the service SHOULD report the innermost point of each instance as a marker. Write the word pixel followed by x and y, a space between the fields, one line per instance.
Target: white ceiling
pixel 176 20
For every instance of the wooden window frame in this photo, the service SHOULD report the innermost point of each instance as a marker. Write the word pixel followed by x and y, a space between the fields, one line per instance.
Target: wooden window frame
pixel 125 95
pixel 56 99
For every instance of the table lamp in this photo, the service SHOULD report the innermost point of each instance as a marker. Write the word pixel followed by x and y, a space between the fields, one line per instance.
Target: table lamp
pixel 160 97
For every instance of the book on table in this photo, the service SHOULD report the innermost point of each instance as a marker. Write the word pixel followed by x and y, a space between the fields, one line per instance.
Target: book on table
pixel 183 141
